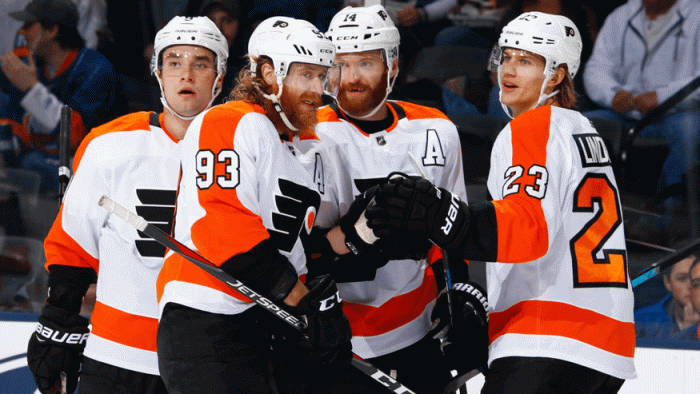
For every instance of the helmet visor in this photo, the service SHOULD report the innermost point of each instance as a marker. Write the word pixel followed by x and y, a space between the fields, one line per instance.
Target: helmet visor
pixel 331 84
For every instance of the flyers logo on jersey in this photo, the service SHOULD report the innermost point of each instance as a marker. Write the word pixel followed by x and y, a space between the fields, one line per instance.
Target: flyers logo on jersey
pixel 296 207
pixel 592 150
pixel 158 209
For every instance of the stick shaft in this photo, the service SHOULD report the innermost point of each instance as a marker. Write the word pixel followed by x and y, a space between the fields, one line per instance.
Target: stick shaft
pixel 169 242
pixel 64 173
pixel 166 240
pixel 667 261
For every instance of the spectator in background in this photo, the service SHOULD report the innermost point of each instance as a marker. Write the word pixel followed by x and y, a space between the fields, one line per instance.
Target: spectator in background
pixel 675 312
pixel 58 69
pixel 646 51
pixel 228 17
pixel 695 297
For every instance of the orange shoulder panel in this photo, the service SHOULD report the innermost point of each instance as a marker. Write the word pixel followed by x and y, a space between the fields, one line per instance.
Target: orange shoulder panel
pixel 415 111
pixel 327 114
pixel 522 227
pixel 133 121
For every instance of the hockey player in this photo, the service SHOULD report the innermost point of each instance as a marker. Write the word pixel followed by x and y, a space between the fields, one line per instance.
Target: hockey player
pixel 561 318
pixel 247 203
pixel 389 292
pixel 133 160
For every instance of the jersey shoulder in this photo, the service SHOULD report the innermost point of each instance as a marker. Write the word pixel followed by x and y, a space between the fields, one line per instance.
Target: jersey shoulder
pixel 415 111
pixel 128 122
pixel 327 114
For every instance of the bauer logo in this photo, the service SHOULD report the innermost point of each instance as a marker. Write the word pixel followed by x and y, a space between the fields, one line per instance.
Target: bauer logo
pixel 158 208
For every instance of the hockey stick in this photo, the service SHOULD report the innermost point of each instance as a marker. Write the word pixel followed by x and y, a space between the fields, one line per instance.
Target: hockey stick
pixel 665 262
pixel 448 293
pixel 171 243
pixel 64 172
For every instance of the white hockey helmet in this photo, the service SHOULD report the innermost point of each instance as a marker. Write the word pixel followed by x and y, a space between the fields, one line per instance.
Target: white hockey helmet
pixel 554 37
pixel 198 31
pixel 360 29
pixel 287 40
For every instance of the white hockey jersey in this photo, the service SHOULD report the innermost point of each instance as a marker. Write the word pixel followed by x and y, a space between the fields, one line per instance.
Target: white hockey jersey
pixel 392 311
pixel 561 288
pixel 241 184
pixel 134 161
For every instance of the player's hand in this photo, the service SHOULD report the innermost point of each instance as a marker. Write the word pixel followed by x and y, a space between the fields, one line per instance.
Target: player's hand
pixel 328 333
pixel 353 241
pixel 19 73
pixel 57 346
pixel 416 205
pixel 465 343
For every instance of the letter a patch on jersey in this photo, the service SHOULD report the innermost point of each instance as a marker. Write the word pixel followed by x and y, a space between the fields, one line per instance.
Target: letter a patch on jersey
pixel 434 154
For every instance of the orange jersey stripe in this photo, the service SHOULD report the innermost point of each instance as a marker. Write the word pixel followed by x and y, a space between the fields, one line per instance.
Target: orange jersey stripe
pixel 367 321
pixel 522 227
pixel 124 328
pixel 177 267
pixel 564 320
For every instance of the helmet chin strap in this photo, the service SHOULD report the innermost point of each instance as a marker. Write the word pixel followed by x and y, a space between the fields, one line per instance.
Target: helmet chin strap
pixel 275 98
pixel 214 92
pixel 389 87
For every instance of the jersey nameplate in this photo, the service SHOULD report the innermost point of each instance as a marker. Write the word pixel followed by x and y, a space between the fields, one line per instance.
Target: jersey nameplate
pixel 592 150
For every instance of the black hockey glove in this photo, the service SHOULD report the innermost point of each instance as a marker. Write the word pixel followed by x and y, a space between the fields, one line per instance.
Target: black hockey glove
pixel 327 337
pixel 57 346
pixel 353 240
pixel 465 344
pixel 416 205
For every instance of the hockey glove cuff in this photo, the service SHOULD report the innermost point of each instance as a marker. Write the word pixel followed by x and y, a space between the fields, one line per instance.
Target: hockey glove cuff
pixel 356 242
pixel 57 346
pixel 465 344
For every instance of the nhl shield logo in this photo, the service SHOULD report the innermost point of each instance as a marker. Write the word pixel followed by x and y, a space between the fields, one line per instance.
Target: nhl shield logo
pixel 381 141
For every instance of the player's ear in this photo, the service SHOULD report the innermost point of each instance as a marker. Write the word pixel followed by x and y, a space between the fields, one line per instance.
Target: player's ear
pixel 394 68
pixel 556 79
pixel 268 75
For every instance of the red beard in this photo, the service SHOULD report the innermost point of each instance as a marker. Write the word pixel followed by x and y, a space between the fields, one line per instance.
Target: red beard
pixel 299 115
pixel 357 107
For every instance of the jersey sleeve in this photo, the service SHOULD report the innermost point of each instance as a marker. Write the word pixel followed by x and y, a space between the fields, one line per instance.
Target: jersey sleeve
pixel 222 198
pixel 74 236
pixel 523 184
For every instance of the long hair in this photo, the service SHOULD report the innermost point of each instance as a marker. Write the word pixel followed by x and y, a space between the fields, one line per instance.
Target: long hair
pixel 251 86
pixel 567 94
